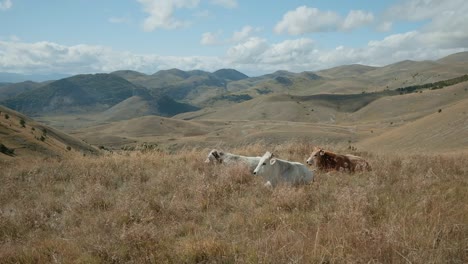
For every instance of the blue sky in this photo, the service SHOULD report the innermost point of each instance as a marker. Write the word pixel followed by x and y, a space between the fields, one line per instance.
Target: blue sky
pixel 254 37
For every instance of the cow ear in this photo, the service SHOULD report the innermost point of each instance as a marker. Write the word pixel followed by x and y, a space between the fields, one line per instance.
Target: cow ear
pixel 215 154
pixel 221 153
pixel 272 161
pixel 322 152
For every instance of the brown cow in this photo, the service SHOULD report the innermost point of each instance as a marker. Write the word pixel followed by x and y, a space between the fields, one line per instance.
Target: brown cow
pixel 359 163
pixel 327 160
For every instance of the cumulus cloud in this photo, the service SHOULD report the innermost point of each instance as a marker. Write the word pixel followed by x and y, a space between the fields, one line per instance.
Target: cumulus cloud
pixel 6 4
pixel 249 51
pixel 244 33
pixel 445 21
pixel 210 38
pixel 442 34
pixel 385 26
pixel 357 18
pixel 161 13
pixel 49 57
pixel 306 20
pixel 252 56
pixel 225 3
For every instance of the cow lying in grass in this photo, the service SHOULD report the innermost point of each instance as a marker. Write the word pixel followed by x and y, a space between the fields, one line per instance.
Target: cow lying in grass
pixel 326 160
pixel 359 163
pixel 277 170
pixel 216 156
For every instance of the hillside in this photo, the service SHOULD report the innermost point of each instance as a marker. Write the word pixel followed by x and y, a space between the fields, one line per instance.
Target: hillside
pixel 346 71
pixel 406 107
pixel 138 106
pixel 193 87
pixel 227 86
pixel 175 134
pixel 79 93
pixel 442 131
pixel 13 89
pixel 141 129
pixel 21 136
pixel 92 93
pixel 230 75
pixel 314 108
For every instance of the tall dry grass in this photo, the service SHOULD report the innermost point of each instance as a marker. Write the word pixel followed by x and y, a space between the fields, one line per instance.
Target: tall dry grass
pixel 156 207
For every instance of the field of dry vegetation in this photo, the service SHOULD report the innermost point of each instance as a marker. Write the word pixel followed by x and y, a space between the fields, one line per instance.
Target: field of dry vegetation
pixel 156 207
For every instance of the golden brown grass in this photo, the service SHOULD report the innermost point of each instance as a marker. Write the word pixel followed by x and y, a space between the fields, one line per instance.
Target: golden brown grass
pixel 172 208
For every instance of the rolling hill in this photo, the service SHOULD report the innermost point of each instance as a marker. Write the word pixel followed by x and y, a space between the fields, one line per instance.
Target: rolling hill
pixel 192 87
pixel 90 93
pixel 13 89
pixel 442 131
pixel 21 136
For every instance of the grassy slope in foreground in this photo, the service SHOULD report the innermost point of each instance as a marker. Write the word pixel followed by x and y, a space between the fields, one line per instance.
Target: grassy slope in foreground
pixel 156 207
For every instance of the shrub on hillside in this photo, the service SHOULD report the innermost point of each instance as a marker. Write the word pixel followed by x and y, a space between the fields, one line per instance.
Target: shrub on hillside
pixel 5 150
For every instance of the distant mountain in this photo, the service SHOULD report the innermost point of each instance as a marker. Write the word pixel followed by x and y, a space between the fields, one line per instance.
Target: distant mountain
pixel 17 77
pixel 89 93
pixel 143 105
pixel 13 89
pixel 457 58
pixel 77 93
pixel 346 71
pixel 127 74
pixel 191 87
pixel 230 74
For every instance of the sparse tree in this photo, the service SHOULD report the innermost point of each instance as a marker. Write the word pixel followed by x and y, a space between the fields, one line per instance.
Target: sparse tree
pixel 22 122
pixel 7 116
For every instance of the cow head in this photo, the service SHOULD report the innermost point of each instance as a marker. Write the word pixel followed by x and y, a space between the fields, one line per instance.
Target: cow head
pixel 316 154
pixel 215 156
pixel 265 163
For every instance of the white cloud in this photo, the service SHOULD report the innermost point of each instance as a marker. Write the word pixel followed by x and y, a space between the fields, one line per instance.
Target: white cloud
pixel 418 10
pixel 445 21
pixel 210 38
pixel 249 51
pixel 357 18
pixel 161 13
pixel 225 3
pixel 6 4
pixel 49 57
pixel 385 26
pixel 253 56
pixel 298 50
pixel 14 38
pixel 244 33
pixel 306 20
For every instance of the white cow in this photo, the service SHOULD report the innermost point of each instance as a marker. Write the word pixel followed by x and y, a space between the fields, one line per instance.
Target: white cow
pixel 216 156
pixel 277 170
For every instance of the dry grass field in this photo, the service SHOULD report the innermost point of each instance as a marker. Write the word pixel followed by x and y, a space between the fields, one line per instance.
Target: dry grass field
pixel 157 207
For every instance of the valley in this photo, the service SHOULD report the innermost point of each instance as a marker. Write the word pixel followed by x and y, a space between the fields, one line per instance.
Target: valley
pixel 409 105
